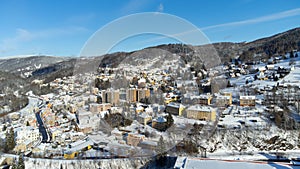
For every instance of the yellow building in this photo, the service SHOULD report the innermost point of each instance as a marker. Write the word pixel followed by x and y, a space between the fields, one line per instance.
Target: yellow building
pixel 247 100
pixel 97 108
pixel 134 139
pixel 131 95
pixel 56 133
pixel 72 108
pixel 76 147
pixel 95 90
pixel 144 118
pixel 225 99
pixel 205 99
pixel 171 99
pixel 143 94
pixel 135 95
pixel 175 108
pixel 201 113
pixel 70 155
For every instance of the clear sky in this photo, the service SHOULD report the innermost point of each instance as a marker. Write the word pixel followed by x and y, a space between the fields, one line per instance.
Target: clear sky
pixel 61 27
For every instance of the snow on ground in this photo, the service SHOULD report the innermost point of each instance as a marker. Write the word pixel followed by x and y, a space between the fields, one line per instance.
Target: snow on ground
pixel 182 121
pixel 293 78
pixel 248 144
pixel 238 115
pixel 126 163
pixel 219 164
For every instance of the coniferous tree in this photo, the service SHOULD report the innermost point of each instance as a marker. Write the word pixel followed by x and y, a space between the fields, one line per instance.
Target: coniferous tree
pixel 10 140
pixel 161 147
pixel 255 77
pixel 5 147
pixel 195 133
pixel 14 166
pixel 170 120
pixel 247 81
pixel 4 128
pixel 229 84
pixel 21 164
pixel 161 152
pixel 291 54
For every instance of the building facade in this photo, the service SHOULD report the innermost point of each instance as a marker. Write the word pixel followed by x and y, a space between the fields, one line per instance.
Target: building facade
pixel 199 112
pixel 111 96
pixel 247 100
pixel 174 108
pixel 134 95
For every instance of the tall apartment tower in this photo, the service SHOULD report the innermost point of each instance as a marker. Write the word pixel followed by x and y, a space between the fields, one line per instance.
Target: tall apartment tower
pixel 111 96
pixel 135 95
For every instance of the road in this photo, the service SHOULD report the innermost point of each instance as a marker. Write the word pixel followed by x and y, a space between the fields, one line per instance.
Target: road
pixel 42 128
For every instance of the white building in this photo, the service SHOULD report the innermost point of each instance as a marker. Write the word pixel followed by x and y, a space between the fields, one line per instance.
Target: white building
pixel 27 133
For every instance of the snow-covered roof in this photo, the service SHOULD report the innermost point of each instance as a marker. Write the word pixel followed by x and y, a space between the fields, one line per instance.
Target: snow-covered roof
pixel 160 119
pixel 149 142
pixel 201 108
pixel 223 97
pixel 79 145
pixel 173 104
pixel 247 97
pixel 144 115
pixel 205 96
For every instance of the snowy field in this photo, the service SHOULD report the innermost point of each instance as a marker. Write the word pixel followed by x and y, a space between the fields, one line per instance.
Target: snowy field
pixel 189 163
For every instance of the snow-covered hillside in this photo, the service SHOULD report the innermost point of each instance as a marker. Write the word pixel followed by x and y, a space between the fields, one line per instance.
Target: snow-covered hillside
pixel 31 163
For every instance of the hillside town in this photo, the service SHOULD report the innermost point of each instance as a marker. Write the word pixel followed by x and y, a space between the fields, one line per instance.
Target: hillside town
pixel 142 111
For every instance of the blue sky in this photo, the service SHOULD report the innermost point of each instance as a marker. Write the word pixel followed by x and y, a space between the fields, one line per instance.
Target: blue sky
pixel 61 27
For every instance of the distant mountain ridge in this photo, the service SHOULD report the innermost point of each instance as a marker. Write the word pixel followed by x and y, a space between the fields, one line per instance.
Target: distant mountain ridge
pixel 263 48
pixel 49 67
pixel 22 65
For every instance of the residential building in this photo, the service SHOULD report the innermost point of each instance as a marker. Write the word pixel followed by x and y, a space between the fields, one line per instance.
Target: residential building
pixel 56 133
pixel 131 95
pixel 224 99
pixel 205 99
pixel 143 94
pixel 26 133
pixel 148 144
pixel 142 83
pixel 87 121
pixel 94 90
pixel 159 123
pixel 200 112
pixel 93 98
pixel 24 146
pixel 133 139
pixel 144 118
pixel 74 148
pixel 118 134
pixel 174 108
pixel 48 116
pixel 111 96
pixel 247 100
pixel 135 95
pixel 97 108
